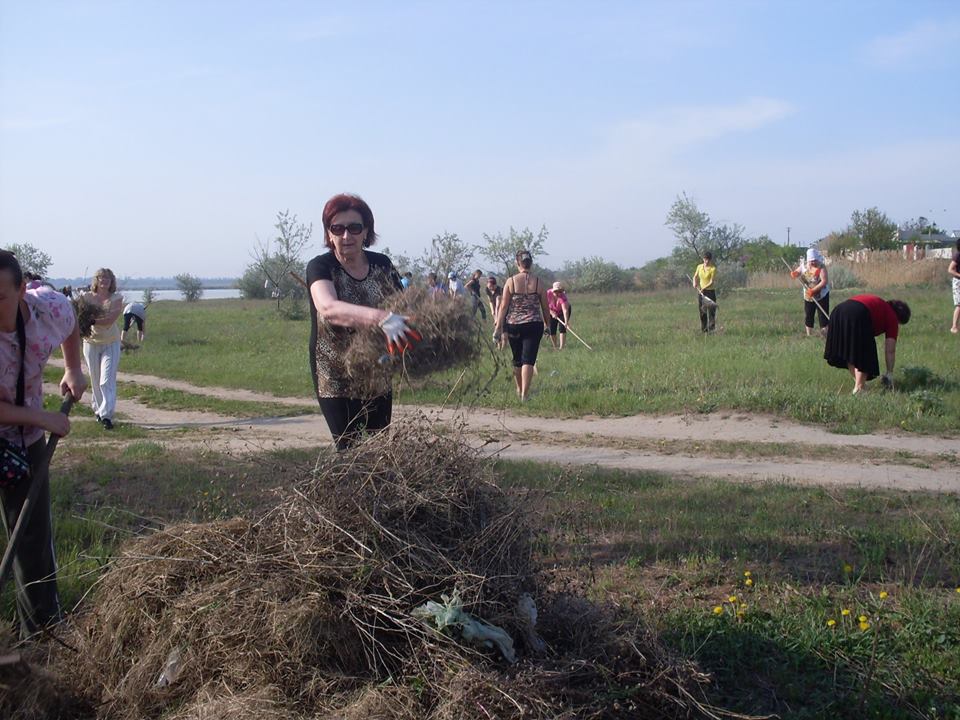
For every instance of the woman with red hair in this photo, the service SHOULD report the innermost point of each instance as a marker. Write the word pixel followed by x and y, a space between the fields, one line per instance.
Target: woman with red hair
pixel 347 286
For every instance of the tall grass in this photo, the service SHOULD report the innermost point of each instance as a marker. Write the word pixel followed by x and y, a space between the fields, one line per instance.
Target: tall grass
pixel 881 270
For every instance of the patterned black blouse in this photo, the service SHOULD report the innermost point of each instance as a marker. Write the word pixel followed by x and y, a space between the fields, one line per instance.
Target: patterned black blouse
pixel 328 343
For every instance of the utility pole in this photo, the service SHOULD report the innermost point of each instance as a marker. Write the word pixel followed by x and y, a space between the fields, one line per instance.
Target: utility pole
pixel 788 234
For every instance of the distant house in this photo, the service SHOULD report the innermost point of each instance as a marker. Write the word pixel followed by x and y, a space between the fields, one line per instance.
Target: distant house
pixel 917 246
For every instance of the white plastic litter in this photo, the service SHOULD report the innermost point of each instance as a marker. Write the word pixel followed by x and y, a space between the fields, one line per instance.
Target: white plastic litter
pixel 450 615
pixel 527 612
pixel 171 668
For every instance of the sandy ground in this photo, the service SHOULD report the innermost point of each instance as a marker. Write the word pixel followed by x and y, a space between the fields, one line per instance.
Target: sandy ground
pixel 588 440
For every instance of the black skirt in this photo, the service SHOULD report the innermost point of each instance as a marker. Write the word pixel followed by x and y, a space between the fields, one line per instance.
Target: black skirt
pixel 850 339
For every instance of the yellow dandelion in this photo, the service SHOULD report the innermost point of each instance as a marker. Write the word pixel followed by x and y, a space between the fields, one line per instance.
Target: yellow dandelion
pixel 864 625
pixel 884 594
pixel 748 582
pixel 743 606
pixel 732 598
pixel 746 573
pixel 845 612
pixel 848 568
pixel 831 622
pixel 958 589
pixel 862 619
pixel 718 610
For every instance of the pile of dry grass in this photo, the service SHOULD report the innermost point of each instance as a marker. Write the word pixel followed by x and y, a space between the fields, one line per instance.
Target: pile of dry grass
pixel 87 314
pixel 306 611
pixel 452 337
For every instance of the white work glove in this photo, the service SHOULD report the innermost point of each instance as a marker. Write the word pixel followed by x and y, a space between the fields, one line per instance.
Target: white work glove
pixel 399 334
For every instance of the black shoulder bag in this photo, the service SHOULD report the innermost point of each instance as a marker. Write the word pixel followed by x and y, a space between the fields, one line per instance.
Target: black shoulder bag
pixel 14 463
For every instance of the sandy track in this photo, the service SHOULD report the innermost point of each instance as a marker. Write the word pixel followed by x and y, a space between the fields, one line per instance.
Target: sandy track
pixel 580 441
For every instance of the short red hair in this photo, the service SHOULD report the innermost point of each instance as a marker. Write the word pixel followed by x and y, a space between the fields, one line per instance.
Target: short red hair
pixel 342 202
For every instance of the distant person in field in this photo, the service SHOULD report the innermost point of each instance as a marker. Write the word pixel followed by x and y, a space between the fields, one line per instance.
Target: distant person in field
pixel 406 279
pixel 455 285
pixel 522 318
pixel 436 288
pixel 347 286
pixel 101 350
pixel 853 326
pixel 813 271
pixel 33 323
pixel 494 295
pixel 473 288
pixel 704 278
pixel 135 312
pixel 560 312
pixel 954 270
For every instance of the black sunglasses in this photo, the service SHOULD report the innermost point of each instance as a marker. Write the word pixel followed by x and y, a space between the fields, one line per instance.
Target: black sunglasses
pixel 352 228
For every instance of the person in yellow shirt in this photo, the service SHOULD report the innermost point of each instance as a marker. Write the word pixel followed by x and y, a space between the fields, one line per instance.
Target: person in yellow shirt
pixel 101 350
pixel 703 280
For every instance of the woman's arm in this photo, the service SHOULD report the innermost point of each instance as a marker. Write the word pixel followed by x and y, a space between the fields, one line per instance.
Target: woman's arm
pixel 953 269
pixel 73 380
pixel 338 312
pixel 111 311
pixel 504 303
pixel 544 306
pixel 890 353
pixel 821 283
pixel 565 306
pixel 54 422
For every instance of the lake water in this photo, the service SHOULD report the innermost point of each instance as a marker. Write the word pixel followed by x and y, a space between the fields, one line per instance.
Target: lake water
pixel 217 294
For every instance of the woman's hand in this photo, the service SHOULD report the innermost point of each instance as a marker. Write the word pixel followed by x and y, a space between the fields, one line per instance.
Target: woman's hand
pixel 56 423
pixel 73 382
pixel 396 329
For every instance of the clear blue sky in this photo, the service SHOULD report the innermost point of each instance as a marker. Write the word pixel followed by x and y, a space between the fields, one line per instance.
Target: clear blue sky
pixel 163 137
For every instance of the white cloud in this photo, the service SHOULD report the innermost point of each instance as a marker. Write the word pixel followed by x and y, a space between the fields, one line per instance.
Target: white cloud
pixel 677 128
pixel 926 40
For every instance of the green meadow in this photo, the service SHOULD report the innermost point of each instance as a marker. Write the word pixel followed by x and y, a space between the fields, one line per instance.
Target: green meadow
pixel 648 356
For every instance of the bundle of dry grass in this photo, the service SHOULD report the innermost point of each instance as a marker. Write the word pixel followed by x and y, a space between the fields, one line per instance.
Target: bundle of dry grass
pixel 306 612
pixel 87 314
pixel 29 691
pixel 452 337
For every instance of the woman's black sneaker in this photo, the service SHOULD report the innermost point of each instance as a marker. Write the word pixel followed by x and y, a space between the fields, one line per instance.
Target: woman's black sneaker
pixel 107 424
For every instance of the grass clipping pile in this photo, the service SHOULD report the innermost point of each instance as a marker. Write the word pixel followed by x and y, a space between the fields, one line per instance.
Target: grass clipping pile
pixel 452 338
pixel 309 611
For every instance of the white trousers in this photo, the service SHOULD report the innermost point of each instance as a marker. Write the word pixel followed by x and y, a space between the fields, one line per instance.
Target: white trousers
pixel 102 362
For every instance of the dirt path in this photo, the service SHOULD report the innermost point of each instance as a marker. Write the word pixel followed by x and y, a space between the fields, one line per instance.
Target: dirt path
pixel 593 441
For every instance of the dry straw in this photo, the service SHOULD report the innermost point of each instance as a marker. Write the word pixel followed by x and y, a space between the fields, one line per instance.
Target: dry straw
pixel 452 337
pixel 305 612
pixel 87 314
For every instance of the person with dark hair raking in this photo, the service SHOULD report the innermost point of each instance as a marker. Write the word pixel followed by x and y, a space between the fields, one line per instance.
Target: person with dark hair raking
pixel 32 324
pixel 347 286
pixel 854 324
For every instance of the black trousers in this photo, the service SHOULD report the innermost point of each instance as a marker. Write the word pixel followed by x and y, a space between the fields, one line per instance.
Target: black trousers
pixel 708 315
pixel 348 418
pixel 35 563
pixel 810 310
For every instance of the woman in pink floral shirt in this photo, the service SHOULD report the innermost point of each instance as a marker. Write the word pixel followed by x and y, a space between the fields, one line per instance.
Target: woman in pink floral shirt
pixel 47 322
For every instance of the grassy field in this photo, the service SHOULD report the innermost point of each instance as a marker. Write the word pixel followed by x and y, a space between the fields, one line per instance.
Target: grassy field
pixel 672 554
pixel 649 357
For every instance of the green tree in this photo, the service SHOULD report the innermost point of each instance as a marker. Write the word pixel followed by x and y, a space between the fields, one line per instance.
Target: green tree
pixel 762 253
pixel 502 249
pixel 148 296
pixel 189 286
pixel 31 259
pixel 447 252
pixel 280 259
pixel 253 284
pixel 874 229
pixel 691 227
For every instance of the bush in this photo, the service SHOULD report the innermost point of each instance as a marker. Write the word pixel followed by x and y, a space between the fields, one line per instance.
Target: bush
pixel 842 278
pixel 190 286
pixel 252 284
pixel 730 275
pixel 594 274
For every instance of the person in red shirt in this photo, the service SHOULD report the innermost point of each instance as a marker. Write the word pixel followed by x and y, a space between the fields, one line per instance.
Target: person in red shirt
pixel 853 326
